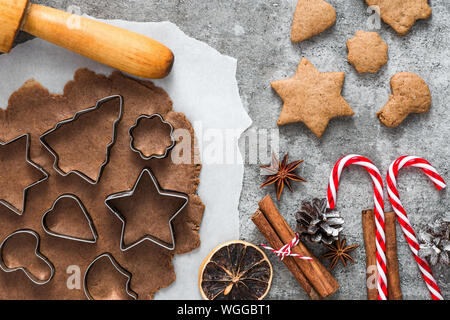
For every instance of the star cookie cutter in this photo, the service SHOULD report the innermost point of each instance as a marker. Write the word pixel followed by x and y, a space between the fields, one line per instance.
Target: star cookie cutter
pixel 118 267
pixel 152 156
pixel 160 191
pixel 85 213
pixel 28 160
pixel 37 253
pixel 75 117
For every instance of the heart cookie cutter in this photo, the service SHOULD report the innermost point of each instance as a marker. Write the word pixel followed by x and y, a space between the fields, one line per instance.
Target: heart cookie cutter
pixel 75 117
pixel 118 267
pixel 28 160
pixel 160 191
pixel 85 213
pixel 153 156
pixel 33 278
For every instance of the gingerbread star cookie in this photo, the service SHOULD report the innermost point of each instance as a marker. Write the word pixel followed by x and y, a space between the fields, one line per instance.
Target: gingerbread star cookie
pixel 367 52
pixel 311 17
pixel 410 94
pixel 312 97
pixel 402 14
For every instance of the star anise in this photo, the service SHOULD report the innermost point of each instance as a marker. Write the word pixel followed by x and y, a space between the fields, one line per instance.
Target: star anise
pixel 338 250
pixel 281 173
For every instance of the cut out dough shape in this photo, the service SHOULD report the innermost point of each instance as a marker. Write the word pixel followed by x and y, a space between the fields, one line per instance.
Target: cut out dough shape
pixel 38 254
pixel 162 220
pixel 80 135
pixel 151 137
pixel 77 230
pixel 108 279
pixel 7 183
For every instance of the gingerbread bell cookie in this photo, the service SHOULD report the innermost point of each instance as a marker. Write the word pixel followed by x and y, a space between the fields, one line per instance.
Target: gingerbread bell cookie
pixel 312 97
pixel 410 94
pixel 367 52
pixel 311 17
pixel 402 14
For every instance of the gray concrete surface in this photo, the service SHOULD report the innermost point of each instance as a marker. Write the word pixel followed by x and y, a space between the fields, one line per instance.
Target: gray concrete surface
pixel 257 33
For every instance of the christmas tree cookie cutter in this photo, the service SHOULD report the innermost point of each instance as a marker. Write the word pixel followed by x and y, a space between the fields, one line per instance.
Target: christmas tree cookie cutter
pixel 118 267
pixel 162 192
pixel 140 152
pixel 37 252
pixel 75 117
pixel 28 160
pixel 83 210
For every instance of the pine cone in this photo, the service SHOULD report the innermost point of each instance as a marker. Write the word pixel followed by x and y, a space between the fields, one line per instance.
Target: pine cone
pixel 317 224
pixel 435 241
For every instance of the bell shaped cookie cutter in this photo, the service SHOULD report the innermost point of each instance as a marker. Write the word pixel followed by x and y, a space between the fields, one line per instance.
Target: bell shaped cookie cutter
pixel 85 213
pixel 160 191
pixel 153 156
pixel 28 160
pixel 37 253
pixel 118 267
pixel 75 117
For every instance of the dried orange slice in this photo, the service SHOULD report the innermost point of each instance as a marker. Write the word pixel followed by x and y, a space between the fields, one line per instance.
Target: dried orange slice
pixel 235 270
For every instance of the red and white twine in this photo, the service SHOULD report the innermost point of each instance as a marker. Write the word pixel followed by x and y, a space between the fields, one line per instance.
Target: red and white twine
pixel 378 209
pixel 402 217
pixel 285 251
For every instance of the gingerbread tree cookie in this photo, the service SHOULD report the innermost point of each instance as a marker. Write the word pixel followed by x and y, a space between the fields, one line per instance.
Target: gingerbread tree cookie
pixel 402 14
pixel 312 97
pixel 410 94
pixel 311 17
pixel 367 52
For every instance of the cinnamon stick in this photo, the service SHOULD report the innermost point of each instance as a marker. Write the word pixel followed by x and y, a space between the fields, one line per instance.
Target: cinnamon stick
pixel 316 273
pixel 368 222
pixel 393 277
pixel 267 231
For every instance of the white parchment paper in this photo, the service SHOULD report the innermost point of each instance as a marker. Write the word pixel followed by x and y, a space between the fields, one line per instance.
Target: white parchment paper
pixel 202 85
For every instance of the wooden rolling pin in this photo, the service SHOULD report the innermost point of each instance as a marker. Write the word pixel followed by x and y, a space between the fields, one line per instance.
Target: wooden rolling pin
pixel 125 50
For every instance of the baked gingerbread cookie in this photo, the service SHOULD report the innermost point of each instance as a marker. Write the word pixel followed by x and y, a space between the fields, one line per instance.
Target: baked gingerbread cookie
pixel 367 52
pixel 311 17
pixel 410 94
pixel 402 14
pixel 312 97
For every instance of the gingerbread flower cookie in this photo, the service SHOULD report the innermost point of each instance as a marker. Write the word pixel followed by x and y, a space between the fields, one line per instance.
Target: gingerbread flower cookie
pixel 312 97
pixel 367 52
pixel 311 17
pixel 410 94
pixel 402 14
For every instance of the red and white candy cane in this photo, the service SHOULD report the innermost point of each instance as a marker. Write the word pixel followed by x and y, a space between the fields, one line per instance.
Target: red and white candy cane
pixel 379 210
pixel 402 217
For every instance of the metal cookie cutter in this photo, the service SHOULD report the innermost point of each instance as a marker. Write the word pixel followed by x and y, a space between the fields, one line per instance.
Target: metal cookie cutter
pixel 153 156
pixel 118 267
pixel 36 251
pixel 86 214
pixel 27 158
pixel 160 191
pixel 75 117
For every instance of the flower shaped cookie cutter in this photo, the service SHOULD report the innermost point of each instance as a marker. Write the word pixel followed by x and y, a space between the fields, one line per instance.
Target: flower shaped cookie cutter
pixel 152 156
